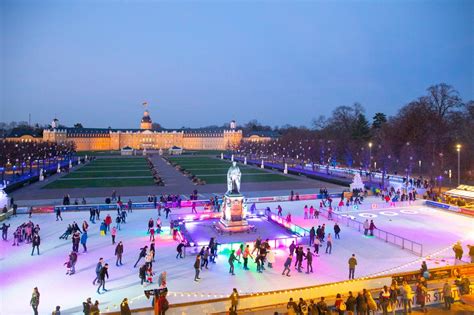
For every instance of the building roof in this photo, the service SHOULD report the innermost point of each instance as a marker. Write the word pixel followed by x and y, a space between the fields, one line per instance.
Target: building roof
pixel 24 131
pixel 263 133
pixel 81 131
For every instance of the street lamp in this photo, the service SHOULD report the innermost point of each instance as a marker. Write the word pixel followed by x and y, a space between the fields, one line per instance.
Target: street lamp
pixel 370 163
pixel 458 148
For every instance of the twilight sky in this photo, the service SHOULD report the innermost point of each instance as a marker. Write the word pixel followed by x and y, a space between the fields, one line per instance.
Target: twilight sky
pixel 207 62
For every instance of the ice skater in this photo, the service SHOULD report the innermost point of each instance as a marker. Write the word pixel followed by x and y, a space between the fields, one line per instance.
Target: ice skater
pixel 231 262
pixel 287 265
pixel 179 249
pixel 309 261
pixel 84 241
pixel 337 230
pixel 58 214
pixel 142 254
pixel 119 253
pixel 5 231
pixel 98 267
pixel 197 268
pixel 329 244
pixel 102 274
pixel 36 243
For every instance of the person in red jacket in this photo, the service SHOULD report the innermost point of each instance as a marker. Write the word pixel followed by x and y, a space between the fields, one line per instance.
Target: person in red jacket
pixel 108 221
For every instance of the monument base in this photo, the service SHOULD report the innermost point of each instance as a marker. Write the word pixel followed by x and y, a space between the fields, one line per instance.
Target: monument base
pixel 233 226
pixel 234 214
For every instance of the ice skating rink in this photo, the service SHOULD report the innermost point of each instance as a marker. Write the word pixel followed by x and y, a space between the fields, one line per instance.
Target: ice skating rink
pixel 437 230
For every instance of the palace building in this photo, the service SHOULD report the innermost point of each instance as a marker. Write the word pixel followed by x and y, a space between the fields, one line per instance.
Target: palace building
pixel 95 139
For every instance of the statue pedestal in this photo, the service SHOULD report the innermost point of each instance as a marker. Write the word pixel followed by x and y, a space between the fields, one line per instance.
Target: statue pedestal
pixel 234 214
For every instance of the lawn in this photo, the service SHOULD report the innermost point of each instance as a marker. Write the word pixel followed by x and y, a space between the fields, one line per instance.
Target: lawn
pixel 98 174
pixel 91 183
pixel 97 153
pixel 214 171
pixel 107 172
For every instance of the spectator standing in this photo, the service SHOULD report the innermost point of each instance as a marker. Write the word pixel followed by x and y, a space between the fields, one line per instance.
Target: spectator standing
pixel 352 264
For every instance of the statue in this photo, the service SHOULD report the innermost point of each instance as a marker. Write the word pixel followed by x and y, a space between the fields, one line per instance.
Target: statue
pixel 233 179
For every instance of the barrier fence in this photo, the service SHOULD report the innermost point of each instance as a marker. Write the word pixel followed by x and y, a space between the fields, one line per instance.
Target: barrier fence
pixel 218 303
pixel 397 240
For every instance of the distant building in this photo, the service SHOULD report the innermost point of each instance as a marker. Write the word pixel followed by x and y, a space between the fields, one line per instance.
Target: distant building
pixel 175 150
pixel 23 134
pixel 260 136
pixel 127 151
pixel 94 139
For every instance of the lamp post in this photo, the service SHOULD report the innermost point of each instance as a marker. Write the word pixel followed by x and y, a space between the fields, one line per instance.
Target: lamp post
pixel 419 165
pixel 370 163
pixel 458 148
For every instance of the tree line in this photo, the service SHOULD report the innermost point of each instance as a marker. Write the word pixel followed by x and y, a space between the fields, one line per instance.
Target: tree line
pixel 420 139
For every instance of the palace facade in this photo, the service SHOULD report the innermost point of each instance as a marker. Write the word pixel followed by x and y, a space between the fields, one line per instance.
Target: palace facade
pixel 95 139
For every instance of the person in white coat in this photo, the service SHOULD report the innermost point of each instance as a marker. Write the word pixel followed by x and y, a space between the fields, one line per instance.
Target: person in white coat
pixel 270 258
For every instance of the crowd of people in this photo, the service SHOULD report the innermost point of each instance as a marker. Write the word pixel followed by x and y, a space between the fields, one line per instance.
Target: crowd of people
pixel 300 257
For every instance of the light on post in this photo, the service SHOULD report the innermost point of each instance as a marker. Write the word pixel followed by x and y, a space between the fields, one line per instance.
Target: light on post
pixel 458 148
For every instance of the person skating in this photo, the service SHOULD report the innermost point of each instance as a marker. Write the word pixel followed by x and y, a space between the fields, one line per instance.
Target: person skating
pixel 85 226
pixel 292 248
pixel 352 264
pixel 458 251
pixel 102 274
pixel 309 261
pixel 150 224
pixel 142 274
pixel 287 265
pixel 329 244
pixel 84 241
pixel 312 234
pixel 118 220
pixel 366 227
pixel 119 253
pixel 58 214
pixel 167 211
pixel 337 230
pixel 76 238
pixel 98 267
pixel 152 251
pixel 197 268
pixel 372 227
pixel 246 256
pixel 92 215
pixel 471 252
pixel 108 222
pixel 35 300
pixel 231 262
pixel 36 243
pixel 299 258
pixel 179 249
pixel 317 244
pixel 152 235
pixel 270 258
pixel 142 254
pixel 5 231
pixel 113 234
pixel 205 258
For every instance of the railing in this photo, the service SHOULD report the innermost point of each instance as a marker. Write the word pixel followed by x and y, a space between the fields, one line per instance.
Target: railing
pixel 402 242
